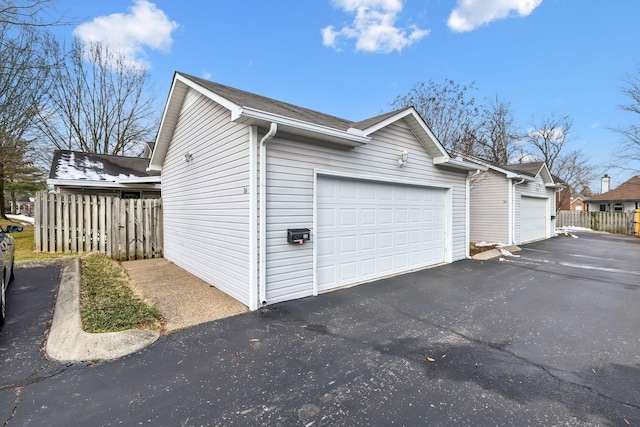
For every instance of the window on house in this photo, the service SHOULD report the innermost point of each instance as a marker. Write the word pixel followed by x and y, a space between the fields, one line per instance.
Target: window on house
pixel 130 195
pixel 618 207
pixel 603 207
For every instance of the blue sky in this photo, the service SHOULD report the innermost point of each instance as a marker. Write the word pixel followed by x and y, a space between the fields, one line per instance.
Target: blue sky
pixel 351 58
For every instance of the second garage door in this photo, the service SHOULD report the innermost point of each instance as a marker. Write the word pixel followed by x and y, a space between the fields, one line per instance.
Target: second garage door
pixel 533 219
pixel 367 230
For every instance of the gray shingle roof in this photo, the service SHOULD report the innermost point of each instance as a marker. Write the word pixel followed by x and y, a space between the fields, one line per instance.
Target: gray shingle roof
pixel 531 168
pixel 628 190
pixel 96 167
pixel 262 103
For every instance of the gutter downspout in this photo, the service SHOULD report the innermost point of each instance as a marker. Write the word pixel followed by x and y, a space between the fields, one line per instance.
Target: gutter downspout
pixel 513 211
pixel 253 218
pixel 467 225
pixel 262 285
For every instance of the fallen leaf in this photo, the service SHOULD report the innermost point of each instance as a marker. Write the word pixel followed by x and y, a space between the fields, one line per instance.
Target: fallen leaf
pixel 627 422
pixel 239 353
pixel 594 371
pixel 179 362
pixel 444 355
pixel 254 339
pixel 431 359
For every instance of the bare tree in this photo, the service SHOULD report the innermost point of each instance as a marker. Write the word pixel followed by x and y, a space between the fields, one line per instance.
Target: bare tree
pixel 498 134
pixel 548 137
pixel 629 151
pixel 449 111
pixel 100 103
pixel 24 70
pixel 28 13
pixel 576 172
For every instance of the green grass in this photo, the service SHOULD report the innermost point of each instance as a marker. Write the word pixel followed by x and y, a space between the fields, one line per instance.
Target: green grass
pixel 107 302
pixel 25 244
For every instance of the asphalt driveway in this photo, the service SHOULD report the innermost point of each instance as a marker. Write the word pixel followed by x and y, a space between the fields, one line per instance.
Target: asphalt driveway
pixel 547 338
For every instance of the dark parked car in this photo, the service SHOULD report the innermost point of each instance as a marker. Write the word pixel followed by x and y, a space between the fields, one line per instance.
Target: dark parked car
pixel 7 250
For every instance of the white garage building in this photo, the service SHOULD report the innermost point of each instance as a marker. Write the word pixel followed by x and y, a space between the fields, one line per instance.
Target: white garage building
pixel 513 204
pixel 244 177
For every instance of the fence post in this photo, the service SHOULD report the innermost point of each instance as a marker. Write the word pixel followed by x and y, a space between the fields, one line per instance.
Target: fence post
pixel 37 223
pixel 108 232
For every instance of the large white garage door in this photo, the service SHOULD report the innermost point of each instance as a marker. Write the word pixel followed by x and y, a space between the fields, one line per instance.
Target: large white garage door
pixel 367 230
pixel 533 219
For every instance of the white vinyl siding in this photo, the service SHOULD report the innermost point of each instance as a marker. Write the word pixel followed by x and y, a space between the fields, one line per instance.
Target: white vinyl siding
pixel 206 200
pixel 489 208
pixel 290 197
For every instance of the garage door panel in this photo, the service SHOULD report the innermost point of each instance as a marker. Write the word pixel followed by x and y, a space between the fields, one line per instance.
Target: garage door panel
pixel 533 219
pixel 368 217
pixel 325 246
pixel 377 229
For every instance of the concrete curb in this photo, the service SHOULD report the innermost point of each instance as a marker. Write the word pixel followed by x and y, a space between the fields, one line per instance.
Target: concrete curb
pixel 68 342
pixel 495 253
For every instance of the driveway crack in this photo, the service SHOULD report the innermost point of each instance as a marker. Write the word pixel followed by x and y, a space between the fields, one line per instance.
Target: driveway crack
pixel 502 349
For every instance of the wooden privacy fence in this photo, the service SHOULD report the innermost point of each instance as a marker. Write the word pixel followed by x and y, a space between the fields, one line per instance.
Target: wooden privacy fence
pixel 123 229
pixel 611 222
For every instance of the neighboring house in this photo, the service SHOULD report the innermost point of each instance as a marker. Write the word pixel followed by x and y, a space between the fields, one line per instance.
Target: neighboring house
pixel 622 199
pixel 104 175
pixel 577 203
pixel 24 206
pixel 378 197
pixel 513 204
pixel 567 199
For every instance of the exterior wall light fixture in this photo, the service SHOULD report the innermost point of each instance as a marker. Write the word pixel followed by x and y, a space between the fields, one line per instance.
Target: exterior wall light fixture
pixel 402 160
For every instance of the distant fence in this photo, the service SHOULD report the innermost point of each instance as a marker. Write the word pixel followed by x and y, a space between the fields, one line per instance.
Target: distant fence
pixel 123 229
pixel 611 222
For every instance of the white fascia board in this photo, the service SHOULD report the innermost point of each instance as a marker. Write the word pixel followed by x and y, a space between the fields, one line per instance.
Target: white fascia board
pixel 387 121
pixel 140 180
pixel 209 94
pixel 179 88
pixel 554 186
pixel 350 139
pixel 167 124
pixel 421 125
pixel 458 164
pixel 546 174
pixel 77 183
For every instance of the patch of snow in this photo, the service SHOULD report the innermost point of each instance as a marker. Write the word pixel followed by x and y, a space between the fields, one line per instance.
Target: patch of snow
pixel 69 168
pixel 483 243
pixel 21 218
pixel 505 252
pixel 570 229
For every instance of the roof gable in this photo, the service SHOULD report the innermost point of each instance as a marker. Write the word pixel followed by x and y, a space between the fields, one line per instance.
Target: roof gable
pixel 252 109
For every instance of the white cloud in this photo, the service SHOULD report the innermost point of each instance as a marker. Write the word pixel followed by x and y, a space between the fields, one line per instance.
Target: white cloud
pixel 145 26
pixel 374 27
pixel 471 14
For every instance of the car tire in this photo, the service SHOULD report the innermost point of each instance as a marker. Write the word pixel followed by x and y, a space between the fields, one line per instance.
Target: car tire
pixel 3 303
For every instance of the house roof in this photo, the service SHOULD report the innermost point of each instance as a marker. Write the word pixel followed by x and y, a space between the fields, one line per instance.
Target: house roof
pixel 72 168
pixel 531 168
pixel 256 110
pixel 262 103
pixel 528 171
pixel 628 190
